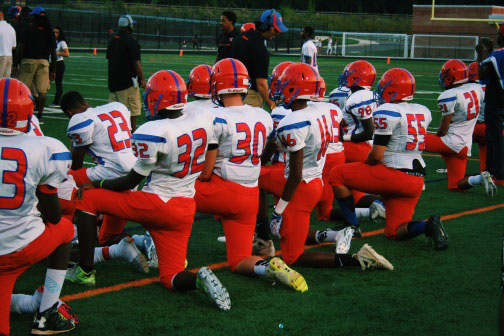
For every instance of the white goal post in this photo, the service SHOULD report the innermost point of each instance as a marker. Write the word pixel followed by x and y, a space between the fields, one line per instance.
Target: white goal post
pixel 442 47
pixel 376 45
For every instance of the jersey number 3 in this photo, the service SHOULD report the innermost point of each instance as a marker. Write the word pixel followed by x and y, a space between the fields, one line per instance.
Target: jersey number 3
pixel 13 177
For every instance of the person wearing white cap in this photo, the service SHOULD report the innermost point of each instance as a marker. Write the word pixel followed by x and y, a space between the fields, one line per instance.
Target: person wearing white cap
pixel 125 73
pixel 249 47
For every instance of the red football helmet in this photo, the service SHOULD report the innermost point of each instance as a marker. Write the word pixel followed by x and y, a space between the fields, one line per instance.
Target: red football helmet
pixel 165 90
pixel 396 84
pixel 322 90
pixel 198 84
pixel 247 26
pixel 298 81
pixel 277 72
pixel 358 73
pixel 453 72
pixel 473 72
pixel 17 107
pixel 228 76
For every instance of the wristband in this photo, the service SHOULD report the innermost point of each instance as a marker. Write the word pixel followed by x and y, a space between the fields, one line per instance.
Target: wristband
pixel 101 183
pixel 280 207
pixel 347 137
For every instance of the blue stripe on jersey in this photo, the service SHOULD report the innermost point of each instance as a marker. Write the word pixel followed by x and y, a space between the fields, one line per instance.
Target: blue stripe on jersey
pixel 61 156
pixel 96 157
pixel 338 94
pixel 5 100
pixel 277 116
pixel 445 100
pixel 389 113
pixel 148 137
pixel 300 124
pixel 366 102
pixel 220 121
pixel 80 125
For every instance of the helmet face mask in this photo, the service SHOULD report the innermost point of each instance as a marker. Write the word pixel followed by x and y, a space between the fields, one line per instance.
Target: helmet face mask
pixel 17 107
pixel 453 72
pixel 229 76
pixel 298 81
pixel 359 73
pixel 275 75
pixel 165 90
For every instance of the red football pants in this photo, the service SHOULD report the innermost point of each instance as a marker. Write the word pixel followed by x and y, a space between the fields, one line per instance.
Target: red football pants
pixel 455 162
pixel 479 138
pixel 169 223
pixel 325 205
pixel 110 227
pixel 399 190
pixel 237 207
pixel 296 217
pixel 14 264
pixel 356 152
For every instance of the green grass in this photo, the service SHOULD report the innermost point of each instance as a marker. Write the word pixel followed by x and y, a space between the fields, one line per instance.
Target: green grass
pixel 454 292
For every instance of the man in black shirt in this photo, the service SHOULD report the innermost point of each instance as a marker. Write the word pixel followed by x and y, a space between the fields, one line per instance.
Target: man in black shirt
pixel 249 47
pixel 491 73
pixel 224 41
pixel 125 73
pixel 36 44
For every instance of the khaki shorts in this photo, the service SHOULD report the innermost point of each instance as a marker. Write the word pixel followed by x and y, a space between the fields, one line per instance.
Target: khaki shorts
pixel 5 66
pixel 253 98
pixel 129 97
pixel 36 72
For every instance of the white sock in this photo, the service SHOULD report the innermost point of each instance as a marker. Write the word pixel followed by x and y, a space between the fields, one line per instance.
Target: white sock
pixel 261 267
pixel 75 232
pixel 475 180
pixel 362 212
pixel 52 288
pixel 98 255
pixel 23 304
pixel 115 251
pixel 327 235
pixel 139 241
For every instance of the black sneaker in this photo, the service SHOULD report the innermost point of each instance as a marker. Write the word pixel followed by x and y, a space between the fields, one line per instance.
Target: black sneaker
pixel 437 233
pixel 51 321
pixel 357 232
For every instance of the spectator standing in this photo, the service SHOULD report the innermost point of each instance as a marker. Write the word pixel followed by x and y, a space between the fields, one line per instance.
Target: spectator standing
pixel 125 73
pixel 36 44
pixel 329 46
pixel 491 73
pixel 7 44
pixel 251 50
pixel 225 40
pixel 309 51
pixel 61 52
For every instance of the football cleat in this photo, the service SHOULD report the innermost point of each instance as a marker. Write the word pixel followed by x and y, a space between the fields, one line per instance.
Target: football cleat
pixel 437 233
pixel 344 240
pixel 132 254
pixel 209 284
pixel 67 312
pixel 357 231
pixel 442 171
pixel 279 270
pixel 377 210
pixel 150 250
pixel 369 258
pixel 221 239
pixel 263 247
pixel 488 183
pixel 77 275
pixel 52 321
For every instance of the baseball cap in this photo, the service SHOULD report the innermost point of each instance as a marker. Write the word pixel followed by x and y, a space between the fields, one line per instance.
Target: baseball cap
pixel 126 21
pixel 13 11
pixel 37 10
pixel 273 18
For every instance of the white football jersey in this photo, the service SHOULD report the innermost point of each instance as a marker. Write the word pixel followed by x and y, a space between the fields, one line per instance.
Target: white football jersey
pixel 241 133
pixel 335 145
pixel 35 129
pixel 339 96
pixel 359 106
pixel 407 125
pixel 106 130
pixel 199 104
pixel 463 103
pixel 171 153
pixel 25 163
pixel 309 49
pixel 277 115
pixel 309 129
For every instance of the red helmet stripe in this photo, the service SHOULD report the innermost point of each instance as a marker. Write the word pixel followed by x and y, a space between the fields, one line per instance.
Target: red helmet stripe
pixel 5 100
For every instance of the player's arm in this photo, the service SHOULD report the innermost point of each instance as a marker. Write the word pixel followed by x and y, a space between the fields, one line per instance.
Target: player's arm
pixel 365 135
pixel 262 88
pixel 269 150
pixel 295 174
pixel 385 122
pixel 122 183
pixel 49 205
pixel 78 154
pixel 376 154
pixel 445 125
pixel 208 166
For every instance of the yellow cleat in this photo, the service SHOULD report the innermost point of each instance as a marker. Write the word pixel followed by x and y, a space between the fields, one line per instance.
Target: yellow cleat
pixel 279 270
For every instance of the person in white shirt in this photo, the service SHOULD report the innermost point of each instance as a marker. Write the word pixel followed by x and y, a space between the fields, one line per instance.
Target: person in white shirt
pixel 7 43
pixel 309 50
pixel 61 52
pixel 329 46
